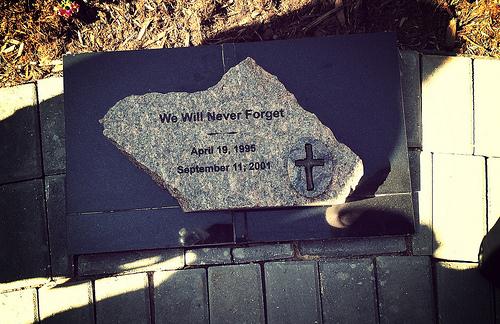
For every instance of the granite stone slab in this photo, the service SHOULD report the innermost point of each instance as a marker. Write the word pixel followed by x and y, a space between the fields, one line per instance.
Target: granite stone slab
pixel 243 143
pixel 292 292
pixel 181 296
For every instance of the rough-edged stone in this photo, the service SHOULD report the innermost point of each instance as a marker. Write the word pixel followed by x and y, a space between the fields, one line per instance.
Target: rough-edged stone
pixel 66 302
pixel 235 294
pixel 292 292
pixel 246 136
pixel 348 247
pixel 20 157
pixel 18 307
pixel 130 262
pixel 459 206
pixel 463 294
pixel 215 255
pixel 51 103
pixel 123 299
pixel 181 296
pixel 348 291
pixel 263 252
pixel 405 293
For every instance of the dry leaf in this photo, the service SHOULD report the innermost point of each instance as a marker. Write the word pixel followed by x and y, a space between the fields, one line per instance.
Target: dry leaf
pixel 143 28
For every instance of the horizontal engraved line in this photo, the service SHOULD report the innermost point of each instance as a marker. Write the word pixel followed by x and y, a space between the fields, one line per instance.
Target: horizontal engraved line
pixel 222 133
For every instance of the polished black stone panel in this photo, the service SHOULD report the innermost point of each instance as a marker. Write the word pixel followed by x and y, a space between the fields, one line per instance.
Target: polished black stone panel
pixel 147 229
pixel 351 83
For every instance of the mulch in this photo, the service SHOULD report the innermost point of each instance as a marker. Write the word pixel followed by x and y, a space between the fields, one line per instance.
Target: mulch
pixel 33 38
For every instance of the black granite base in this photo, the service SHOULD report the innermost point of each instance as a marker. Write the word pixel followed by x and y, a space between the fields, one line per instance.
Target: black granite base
pixel 351 83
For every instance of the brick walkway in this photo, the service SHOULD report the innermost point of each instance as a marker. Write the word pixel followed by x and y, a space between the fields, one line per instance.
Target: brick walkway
pixel 452 114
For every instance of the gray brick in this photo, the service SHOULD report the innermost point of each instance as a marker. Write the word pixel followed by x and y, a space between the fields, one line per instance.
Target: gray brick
pixel 421 177
pixel 123 299
pixel 354 246
pixel 51 103
pixel 292 292
pixel 405 291
pixel 18 307
pixel 447 115
pixel 181 296
pixel 61 262
pixel 23 233
pixel 348 291
pixel 459 206
pixel 412 98
pixel 463 295
pixel 263 252
pixel 66 302
pixel 215 255
pixel 493 191
pixel 19 134
pixel 130 262
pixel 486 107
pixel 235 294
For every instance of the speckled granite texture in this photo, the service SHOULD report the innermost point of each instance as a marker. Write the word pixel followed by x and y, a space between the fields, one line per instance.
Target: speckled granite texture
pixel 239 144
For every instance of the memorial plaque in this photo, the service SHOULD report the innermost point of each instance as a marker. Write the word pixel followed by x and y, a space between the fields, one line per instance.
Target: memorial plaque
pixel 243 143
pixel 316 119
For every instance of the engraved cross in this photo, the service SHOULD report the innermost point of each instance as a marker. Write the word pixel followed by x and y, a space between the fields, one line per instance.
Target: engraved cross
pixel 308 163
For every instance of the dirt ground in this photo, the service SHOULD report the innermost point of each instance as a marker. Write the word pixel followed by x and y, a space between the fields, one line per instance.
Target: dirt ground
pixel 33 38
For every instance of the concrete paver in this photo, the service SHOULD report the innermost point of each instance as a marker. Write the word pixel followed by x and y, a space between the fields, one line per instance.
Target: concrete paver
pixel 348 291
pixel 24 252
pixel 447 115
pixel 405 291
pixel 61 263
pixel 486 107
pixel 463 295
pixel 412 98
pixel 20 157
pixel 235 294
pixel 263 252
pixel 51 104
pixel 203 256
pixel 66 302
pixel 19 307
pixel 355 246
pixel 459 206
pixel 123 299
pixel 421 178
pixel 181 296
pixel 130 262
pixel 292 292
pixel 493 172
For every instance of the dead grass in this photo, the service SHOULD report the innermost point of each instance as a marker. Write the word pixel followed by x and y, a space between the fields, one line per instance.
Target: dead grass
pixel 33 40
